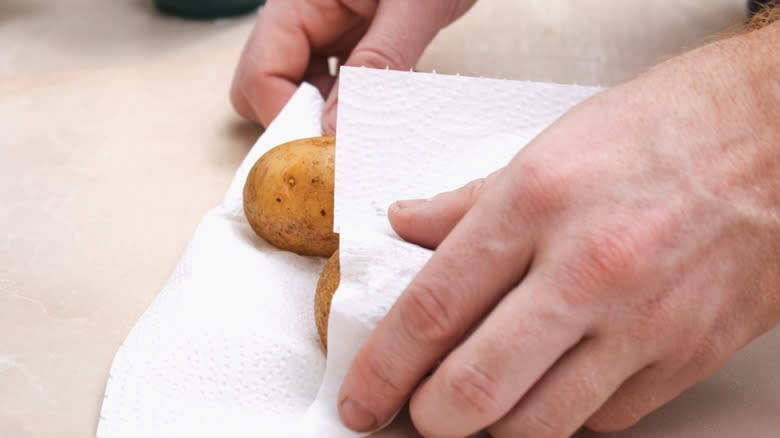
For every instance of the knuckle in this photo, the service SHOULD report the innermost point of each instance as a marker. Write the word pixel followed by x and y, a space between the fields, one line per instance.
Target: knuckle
pixel 363 8
pixel 474 189
pixel 608 255
pixel 472 389
pixel 539 191
pixel 603 259
pixel 380 371
pixel 425 316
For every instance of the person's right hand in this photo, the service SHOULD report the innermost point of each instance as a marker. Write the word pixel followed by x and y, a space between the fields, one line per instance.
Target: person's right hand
pixel 293 39
pixel 624 254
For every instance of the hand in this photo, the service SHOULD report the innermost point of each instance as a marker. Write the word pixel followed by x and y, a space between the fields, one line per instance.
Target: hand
pixel 625 254
pixel 293 39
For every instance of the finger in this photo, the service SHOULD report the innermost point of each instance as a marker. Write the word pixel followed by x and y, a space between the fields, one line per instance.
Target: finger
pixel 318 74
pixel 571 391
pixel 484 377
pixel 484 256
pixel 397 37
pixel 276 57
pixel 638 396
pixel 656 385
pixel 426 222
pixel 260 86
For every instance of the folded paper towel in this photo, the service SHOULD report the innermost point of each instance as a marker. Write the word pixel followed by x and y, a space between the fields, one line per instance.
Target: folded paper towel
pixel 229 346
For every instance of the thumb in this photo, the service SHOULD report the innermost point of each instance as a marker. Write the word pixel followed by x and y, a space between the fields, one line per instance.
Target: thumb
pixel 399 33
pixel 427 222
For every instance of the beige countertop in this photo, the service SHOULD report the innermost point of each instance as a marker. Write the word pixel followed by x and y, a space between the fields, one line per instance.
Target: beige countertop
pixel 117 136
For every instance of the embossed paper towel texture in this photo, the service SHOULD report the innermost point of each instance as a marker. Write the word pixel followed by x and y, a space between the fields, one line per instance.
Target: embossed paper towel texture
pixel 229 346
pixel 409 135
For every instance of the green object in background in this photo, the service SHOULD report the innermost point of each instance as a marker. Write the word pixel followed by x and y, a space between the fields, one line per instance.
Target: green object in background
pixel 207 9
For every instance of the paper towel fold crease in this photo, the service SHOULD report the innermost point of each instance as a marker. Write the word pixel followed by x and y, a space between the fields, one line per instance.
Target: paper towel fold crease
pixel 229 346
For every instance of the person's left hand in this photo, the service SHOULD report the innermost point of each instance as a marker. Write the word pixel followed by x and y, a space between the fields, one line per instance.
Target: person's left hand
pixel 293 39
pixel 625 254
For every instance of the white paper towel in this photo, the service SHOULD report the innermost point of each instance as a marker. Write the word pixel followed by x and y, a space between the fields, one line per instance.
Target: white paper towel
pixel 409 135
pixel 229 347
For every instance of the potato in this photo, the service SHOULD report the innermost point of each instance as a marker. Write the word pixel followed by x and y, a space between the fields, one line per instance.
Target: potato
pixel 288 196
pixel 326 287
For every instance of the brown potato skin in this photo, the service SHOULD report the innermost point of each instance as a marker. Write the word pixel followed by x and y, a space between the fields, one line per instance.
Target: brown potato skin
pixel 326 287
pixel 288 196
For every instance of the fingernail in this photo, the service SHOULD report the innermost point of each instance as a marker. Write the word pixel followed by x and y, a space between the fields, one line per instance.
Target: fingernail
pixel 409 204
pixel 356 416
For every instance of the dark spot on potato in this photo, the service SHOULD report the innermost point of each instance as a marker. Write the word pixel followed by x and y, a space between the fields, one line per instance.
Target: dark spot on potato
pixel 278 200
pixel 322 212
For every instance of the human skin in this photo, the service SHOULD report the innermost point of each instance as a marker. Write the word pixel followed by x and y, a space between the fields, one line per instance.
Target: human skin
pixel 292 40
pixel 563 292
pixel 593 289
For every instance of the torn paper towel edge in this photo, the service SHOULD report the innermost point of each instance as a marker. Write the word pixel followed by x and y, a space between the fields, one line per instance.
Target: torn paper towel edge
pixel 368 234
pixel 231 209
pixel 464 110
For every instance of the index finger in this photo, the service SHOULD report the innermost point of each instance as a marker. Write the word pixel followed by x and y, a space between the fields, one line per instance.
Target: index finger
pixel 278 54
pixel 468 274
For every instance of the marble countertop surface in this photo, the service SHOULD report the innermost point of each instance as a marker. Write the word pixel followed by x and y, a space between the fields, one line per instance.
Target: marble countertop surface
pixel 118 135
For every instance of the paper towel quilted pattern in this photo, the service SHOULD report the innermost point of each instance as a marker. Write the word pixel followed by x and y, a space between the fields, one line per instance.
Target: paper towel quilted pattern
pixel 229 347
pixel 409 135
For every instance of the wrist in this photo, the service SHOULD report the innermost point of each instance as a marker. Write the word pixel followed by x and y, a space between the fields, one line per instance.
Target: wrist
pixel 711 118
pixel 762 66
pixel 734 80
pixel 740 95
